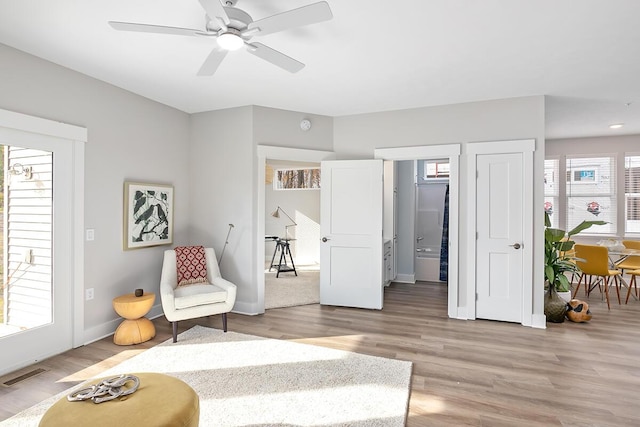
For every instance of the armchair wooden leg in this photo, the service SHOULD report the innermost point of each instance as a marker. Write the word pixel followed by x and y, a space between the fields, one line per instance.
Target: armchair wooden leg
pixel 224 322
pixel 175 331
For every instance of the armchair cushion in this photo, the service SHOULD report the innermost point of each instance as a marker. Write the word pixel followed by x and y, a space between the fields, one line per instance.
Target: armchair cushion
pixel 191 265
pixel 199 294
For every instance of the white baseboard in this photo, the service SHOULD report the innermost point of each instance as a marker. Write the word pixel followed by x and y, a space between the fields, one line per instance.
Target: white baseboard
pixel 539 321
pixel 405 278
pixel 248 308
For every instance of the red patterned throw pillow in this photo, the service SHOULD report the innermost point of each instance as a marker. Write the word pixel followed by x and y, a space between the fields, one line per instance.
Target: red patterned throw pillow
pixel 191 265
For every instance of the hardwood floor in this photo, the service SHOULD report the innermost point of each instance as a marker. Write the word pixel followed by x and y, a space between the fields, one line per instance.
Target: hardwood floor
pixel 465 373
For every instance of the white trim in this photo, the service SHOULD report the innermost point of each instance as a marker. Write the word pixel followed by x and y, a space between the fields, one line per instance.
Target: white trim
pixel 526 147
pixel 512 146
pixel 265 152
pixel 78 243
pixel 452 152
pixel 24 122
pixel 422 152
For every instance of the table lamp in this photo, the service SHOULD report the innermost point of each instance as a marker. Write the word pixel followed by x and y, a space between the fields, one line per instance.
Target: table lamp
pixel 276 214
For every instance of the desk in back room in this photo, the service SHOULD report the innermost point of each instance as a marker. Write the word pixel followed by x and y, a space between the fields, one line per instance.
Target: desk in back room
pixel 282 246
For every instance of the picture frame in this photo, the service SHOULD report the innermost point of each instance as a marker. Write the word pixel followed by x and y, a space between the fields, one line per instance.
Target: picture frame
pixel 148 215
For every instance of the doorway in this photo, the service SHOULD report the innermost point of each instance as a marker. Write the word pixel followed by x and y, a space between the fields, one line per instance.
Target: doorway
pixel 431 219
pixel 292 233
pixel 265 249
pixel 451 153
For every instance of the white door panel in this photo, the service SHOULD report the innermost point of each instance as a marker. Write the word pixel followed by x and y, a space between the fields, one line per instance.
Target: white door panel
pixel 500 237
pixel 351 226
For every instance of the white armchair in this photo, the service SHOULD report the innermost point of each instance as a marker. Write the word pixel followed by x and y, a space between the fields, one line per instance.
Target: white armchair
pixel 216 296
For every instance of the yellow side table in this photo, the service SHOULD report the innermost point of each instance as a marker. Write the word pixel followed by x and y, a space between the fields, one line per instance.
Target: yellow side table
pixel 135 328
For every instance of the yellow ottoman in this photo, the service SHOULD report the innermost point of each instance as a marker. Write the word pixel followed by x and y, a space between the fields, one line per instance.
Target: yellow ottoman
pixel 161 400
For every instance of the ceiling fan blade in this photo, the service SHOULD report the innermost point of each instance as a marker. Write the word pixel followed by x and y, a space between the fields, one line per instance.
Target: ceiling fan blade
pixel 216 11
pixel 276 58
pixel 159 29
pixel 305 15
pixel 213 61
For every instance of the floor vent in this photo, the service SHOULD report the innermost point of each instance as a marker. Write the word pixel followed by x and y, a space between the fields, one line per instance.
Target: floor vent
pixel 23 377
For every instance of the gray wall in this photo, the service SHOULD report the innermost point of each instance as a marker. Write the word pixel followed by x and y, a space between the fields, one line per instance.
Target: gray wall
pixel 224 176
pixel 129 138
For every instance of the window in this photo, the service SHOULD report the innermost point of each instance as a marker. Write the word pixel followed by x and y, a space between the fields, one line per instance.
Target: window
pixel 632 194
pixel 297 179
pixel 551 190
pixel 591 192
pixel 430 170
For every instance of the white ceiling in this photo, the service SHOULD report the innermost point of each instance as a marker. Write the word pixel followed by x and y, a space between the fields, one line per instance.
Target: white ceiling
pixel 374 55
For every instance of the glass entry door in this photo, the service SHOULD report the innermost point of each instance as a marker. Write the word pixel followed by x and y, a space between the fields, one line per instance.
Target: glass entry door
pixel 37 248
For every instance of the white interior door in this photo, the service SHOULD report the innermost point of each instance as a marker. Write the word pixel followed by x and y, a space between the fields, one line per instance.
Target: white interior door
pixel 351 233
pixel 500 239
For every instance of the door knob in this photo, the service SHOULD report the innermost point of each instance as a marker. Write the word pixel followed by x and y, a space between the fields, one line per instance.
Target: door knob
pixel 515 246
pixel 324 239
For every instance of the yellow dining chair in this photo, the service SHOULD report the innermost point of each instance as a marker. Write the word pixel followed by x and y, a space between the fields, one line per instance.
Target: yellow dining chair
pixel 631 262
pixel 593 260
pixel 632 284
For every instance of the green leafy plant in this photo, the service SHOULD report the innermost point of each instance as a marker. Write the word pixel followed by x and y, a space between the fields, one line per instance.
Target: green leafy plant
pixel 557 253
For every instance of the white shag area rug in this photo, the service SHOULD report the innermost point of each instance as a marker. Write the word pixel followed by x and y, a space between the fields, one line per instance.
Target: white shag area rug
pixel 244 380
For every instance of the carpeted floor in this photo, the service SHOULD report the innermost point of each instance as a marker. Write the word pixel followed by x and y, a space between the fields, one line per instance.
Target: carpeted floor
pixel 290 290
pixel 244 380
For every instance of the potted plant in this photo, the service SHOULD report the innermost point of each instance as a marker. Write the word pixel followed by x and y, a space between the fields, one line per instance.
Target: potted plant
pixel 558 260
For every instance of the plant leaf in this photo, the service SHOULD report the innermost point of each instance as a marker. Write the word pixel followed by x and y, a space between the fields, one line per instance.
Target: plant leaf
pixel 584 225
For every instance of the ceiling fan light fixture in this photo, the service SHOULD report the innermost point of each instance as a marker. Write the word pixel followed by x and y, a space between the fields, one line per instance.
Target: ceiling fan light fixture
pixel 230 41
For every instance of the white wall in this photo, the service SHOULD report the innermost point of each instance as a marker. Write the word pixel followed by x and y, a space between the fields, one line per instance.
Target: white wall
pixel 130 138
pixel 507 119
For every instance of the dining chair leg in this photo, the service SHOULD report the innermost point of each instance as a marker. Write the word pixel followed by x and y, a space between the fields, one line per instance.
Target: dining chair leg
pixel 632 284
pixel 578 287
pixel 615 279
pixel 606 291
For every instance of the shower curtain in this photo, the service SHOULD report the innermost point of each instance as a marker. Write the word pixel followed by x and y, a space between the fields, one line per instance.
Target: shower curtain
pixel 444 246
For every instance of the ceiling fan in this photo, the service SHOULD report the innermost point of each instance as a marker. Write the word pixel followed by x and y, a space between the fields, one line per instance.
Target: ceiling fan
pixel 233 28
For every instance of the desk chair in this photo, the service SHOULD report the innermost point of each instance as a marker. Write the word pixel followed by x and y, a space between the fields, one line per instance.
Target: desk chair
pixel 593 260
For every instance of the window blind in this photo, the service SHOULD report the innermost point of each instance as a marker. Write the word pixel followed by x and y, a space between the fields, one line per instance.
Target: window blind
pixel 632 194
pixel 551 190
pixel 591 192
